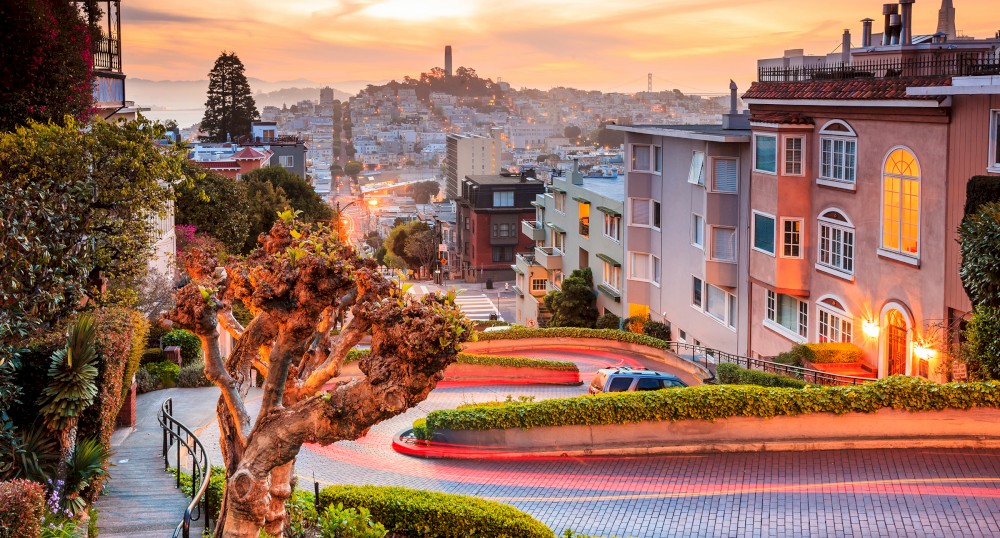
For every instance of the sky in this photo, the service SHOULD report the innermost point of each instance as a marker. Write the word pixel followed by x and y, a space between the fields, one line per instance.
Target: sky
pixel 609 45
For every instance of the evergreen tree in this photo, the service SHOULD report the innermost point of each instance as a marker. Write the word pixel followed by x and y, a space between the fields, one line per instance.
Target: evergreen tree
pixel 573 306
pixel 230 108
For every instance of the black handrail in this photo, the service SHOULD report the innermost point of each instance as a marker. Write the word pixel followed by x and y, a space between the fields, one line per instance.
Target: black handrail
pixel 176 433
pixel 965 63
pixel 714 356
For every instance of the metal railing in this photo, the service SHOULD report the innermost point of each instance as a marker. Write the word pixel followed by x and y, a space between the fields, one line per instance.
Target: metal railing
pixel 177 435
pixel 107 54
pixel 585 228
pixel 959 64
pixel 707 356
pixel 527 257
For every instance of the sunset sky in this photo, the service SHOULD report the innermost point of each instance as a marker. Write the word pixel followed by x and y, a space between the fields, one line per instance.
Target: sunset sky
pixel 694 45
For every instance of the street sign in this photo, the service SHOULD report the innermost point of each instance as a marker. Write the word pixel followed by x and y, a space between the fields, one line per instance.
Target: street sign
pixel 959 371
pixel 442 248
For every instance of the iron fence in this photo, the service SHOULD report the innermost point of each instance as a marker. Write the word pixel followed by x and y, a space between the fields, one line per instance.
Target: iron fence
pixel 708 357
pixel 953 65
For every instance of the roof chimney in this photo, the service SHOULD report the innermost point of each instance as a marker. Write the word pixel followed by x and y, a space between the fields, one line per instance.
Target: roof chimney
pixel 576 177
pixel 845 50
pixel 733 106
pixel 888 10
pixel 866 32
pixel 907 30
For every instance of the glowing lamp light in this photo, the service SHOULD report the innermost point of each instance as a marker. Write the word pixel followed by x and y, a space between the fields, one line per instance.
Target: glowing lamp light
pixel 923 352
pixel 870 329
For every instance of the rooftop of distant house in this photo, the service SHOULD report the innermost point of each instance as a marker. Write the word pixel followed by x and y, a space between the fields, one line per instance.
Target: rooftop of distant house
pixel 710 133
pixel 501 180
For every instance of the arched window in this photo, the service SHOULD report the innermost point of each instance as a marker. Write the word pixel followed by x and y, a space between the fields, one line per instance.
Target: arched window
pixel 836 243
pixel 901 203
pixel 835 323
pixel 838 153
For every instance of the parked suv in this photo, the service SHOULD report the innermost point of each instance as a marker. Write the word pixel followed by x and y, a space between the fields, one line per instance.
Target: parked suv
pixel 625 379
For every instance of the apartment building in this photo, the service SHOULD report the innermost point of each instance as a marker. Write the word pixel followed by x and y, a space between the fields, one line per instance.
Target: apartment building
pixel 686 215
pixel 857 189
pixel 468 155
pixel 490 211
pixel 577 224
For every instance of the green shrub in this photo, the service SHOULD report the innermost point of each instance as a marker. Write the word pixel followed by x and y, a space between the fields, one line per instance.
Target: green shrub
pixel 656 329
pixel 417 513
pixel 302 517
pixel 731 374
pixel 712 402
pixel 634 324
pixel 981 190
pixel 609 320
pixel 339 522
pixel 491 360
pixel 145 381
pixel 833 353
pixel 137 350
pixel 165 371
pixel 22 507
pixel 242 313
pixel 193 375
pixel 521 333
pixel 981 351
pixel 189 343
pixel 153 354
pixel 216 487
pixel 420 429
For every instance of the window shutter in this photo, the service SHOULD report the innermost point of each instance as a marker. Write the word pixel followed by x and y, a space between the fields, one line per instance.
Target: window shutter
pixel 726 175
pixel 724 244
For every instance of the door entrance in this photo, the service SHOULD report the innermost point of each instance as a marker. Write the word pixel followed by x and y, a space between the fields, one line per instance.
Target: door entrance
pixel 896 343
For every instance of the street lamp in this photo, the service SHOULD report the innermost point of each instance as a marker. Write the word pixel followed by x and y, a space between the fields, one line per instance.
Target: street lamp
pixel 340 220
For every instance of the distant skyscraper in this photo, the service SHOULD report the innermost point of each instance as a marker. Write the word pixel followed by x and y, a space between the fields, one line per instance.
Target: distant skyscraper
pixel 447 60
pixel 946 19
pixel 326 96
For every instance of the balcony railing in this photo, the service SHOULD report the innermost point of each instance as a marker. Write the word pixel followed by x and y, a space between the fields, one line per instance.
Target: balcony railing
pixel 959 64
pixel 527 257
pixel 107 54
pixel 585 227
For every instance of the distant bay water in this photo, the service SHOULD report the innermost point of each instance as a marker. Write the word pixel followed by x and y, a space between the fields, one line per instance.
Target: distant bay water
pixel 185 117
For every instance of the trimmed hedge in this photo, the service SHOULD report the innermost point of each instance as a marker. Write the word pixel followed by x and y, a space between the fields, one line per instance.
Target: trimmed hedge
pixel 492 360
pixel 165 371
pixel 519 333
pixel 833 353
pixel 609 320
pixel 981 190
pixel 731 374
pixel 22 507
pixel 189 343
pixel 193 375
pixel 428 514
pixel 712 402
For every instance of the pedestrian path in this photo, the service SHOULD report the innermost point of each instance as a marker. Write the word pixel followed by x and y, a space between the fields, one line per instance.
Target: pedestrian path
pixel 477 307
pixel 141 499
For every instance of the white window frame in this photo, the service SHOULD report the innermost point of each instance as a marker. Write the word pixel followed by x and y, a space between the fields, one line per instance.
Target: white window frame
pixel 613 223
pixel 782 232
pixel 824 222
pixel 535 281
pixel 700 305
pixel 658 160
pixel 653 266
pixel 697 231
pixel 802 155
pixel 900 255
pixel 559 199
pixel 725 300
pixel 777 153
pixel 736 187
pixel 286 161
pixel 612 276
pixel 653 205
pixel 839 315
pixel 696 174
pixel 735 244
pixel 632 160
pixel 994 163
pixel 753 232
pixel 655 214
pixel 848 137
pixel 771 317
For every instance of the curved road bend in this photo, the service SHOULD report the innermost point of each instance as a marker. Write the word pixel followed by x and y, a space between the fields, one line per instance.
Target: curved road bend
pixel 922 492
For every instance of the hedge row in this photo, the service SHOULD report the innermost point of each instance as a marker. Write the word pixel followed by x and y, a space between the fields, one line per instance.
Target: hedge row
pixel 427 514
pixel 22 506
pixel 493 360
pixel 520 333
pixel 731 374
pixel 711 402
pixel 826 353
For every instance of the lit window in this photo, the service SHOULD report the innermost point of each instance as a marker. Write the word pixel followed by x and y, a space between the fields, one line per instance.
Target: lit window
pixel 836 242
pixel 725 175
pixel 697 173
pixel 724 244
pixel 793 155
pixel 640 158
pixel 835 323
pixel 791 238
pixel 838 152
pixel 612 276
pixel 765 155
pixel 538 284
pixel 698 231
pixel 788 314
pixel 763 233
pixel 901 203
pixel 612 227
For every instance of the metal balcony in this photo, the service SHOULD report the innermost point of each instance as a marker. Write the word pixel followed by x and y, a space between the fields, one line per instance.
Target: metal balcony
pixel 550 258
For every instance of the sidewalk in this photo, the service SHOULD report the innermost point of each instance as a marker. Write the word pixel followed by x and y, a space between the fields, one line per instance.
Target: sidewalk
pixel 141 499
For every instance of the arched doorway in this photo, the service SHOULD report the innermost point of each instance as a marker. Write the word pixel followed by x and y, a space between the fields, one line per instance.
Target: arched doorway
pixel 896 349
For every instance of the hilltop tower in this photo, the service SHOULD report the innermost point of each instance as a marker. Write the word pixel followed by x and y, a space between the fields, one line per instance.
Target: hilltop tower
pixel 447 60
pixel 946 19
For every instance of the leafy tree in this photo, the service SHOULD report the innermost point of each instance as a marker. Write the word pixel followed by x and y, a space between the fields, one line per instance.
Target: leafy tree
pixel 264 201
pixel 411 242
pixel 299 281
pixel 573 306
pixel 572 132
pixel 230 107
pixel 422 246
pixel 77 206
pixel 608 137
pixel 300 194
pixel 424 191
pixel 45 63
pixel 353 168
pixel 981 351
pixel 216 205
pixel 979 237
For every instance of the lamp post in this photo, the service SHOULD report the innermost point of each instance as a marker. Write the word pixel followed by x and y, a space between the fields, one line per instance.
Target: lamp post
pixel 340 211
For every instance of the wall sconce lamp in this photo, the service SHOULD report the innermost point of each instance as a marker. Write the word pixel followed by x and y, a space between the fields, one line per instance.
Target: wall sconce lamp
pixel 923 352
pixel 870 328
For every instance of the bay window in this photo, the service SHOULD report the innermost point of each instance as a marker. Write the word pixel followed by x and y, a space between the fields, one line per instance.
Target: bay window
pixel 787 315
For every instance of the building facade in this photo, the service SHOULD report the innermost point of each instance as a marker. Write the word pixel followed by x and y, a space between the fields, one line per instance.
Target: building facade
pixel 490 211
pixel 468 155
pixel 577 224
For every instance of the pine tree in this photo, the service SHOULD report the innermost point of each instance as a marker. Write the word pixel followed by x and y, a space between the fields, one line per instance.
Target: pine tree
pixel 230 108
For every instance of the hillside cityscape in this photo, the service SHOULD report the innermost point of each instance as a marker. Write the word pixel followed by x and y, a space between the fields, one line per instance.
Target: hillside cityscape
pixel 441 303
